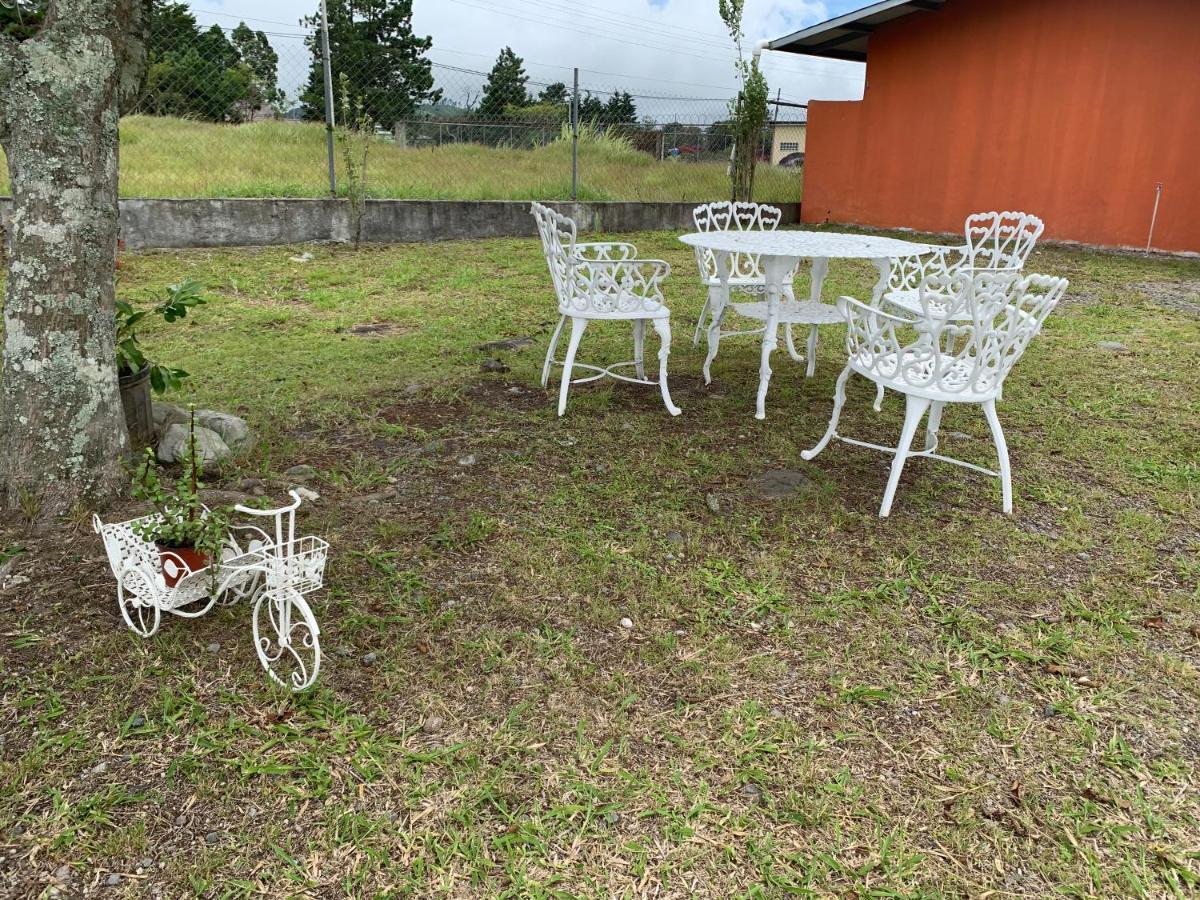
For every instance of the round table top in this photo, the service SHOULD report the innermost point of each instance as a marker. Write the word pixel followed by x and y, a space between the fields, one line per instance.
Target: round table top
pixel 807 244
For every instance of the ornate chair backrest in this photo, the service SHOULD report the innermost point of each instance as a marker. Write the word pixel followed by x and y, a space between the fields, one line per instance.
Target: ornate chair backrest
pixel 1001 240
pixel 558 245
pixel 726 216
pixel 992 317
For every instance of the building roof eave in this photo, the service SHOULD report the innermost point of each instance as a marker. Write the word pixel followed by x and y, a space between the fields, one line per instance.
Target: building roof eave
pixel 845 37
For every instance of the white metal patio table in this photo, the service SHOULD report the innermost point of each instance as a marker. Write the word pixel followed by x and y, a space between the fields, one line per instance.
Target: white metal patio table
pixel 779 252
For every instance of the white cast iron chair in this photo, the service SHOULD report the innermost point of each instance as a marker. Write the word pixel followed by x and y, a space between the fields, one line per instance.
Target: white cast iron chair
pixel 603 281
pixel 999 241
pixel 745 271
pixel 960 356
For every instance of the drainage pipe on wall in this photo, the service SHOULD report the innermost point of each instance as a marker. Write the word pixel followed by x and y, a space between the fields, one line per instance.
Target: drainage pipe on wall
pixel 1154 215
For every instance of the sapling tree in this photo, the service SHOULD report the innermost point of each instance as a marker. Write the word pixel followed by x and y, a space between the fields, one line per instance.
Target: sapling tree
pixel 354 136
pixel 62 430
pixel 748 112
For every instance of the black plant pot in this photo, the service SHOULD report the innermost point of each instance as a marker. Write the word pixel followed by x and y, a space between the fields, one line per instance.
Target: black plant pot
pixel 139 413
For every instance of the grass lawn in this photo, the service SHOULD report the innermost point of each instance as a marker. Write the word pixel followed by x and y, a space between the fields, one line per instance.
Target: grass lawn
pixel 810 701
pixel 169 157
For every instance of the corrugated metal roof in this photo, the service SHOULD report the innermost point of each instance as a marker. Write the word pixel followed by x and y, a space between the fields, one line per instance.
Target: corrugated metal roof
pixel 845 37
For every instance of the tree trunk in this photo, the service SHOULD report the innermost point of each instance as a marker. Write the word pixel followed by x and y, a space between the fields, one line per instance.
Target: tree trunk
pixel 62 431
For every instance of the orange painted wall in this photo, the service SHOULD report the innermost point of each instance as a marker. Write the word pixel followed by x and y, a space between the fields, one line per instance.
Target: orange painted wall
pixel 1070 109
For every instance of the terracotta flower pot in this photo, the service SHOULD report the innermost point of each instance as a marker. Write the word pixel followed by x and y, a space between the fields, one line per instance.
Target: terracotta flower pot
pixel 180 561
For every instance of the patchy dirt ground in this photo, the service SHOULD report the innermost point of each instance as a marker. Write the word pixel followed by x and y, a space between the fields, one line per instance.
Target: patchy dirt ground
pixel 619 654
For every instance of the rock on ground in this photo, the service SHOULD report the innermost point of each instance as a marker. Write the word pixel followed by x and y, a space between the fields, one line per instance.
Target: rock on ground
pixel 173 445
pixel 233 431
pixel 168 414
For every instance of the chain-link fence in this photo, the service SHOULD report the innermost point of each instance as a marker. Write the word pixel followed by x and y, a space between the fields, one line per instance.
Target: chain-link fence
pixel 240 112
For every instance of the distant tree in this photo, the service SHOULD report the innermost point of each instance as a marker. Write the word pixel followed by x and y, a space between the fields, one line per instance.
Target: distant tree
pixel 203 74
pixel 372 42
pixel 620 110
pixel 505 86
pixel 256 52
pixel 591 109
pixel 555 93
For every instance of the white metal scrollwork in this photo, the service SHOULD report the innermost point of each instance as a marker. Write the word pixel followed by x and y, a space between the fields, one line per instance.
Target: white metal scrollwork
pixel 275 570
pixel 603 281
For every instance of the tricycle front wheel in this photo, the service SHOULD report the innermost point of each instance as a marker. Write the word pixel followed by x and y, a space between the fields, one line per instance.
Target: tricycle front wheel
pixel 287 638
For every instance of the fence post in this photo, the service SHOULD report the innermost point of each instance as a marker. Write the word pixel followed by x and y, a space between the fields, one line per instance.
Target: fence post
pixel 575 139
pixel 328 99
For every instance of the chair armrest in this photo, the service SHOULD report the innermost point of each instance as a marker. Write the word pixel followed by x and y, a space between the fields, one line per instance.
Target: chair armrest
pixel 851 308
pixel 601 250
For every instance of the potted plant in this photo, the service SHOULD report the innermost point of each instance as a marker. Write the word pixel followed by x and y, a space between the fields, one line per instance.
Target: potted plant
pixel 188 535
pixel 136 374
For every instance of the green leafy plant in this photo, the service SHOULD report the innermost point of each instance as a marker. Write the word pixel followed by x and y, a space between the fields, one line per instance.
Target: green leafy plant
pixel 182 521
pixel 172 306
pixel 354 138
pixel 748 111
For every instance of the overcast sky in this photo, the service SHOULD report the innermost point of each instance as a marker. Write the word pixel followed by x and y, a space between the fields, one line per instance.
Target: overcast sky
pixel 651 48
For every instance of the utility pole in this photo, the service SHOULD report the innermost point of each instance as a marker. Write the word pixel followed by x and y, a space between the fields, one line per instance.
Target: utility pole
pixel 328 99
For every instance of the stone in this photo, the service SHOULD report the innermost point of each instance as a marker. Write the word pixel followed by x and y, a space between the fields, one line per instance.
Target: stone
pixel 713 504
pixel 12 581
pixel 308 495
pixel 412 388
pixel 251 486
pixel 517 343
pixel 112 880
pixel 167 414
pixel 233 431
pixel 214 647
pixel 213 837
pixel 302 472
pixel 173 445
pixel 776 483
pixel 369 659
pixel 626 623
pixel 434 446
pixel 147 863
pixel 432 725
pixel 137 721
pixel 181 819
pixel 1115 346
pixel 676 538
pixel 1049 711
pixel 612 818
pixel 493 365
pixel 63 873
pixel 100 768
pixel 750 789
pixel 467 459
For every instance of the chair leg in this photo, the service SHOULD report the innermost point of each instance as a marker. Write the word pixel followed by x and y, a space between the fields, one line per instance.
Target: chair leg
pixel 989 410
pixel 812 351
pixel 839 400
pixel 878 404
pixel 914 410
pixel 639 347
pixel 550 351
pixel 715 321
pixel 577 326
pixel 788 340
pixel 934 423
pixel 708 305
pixel 663 327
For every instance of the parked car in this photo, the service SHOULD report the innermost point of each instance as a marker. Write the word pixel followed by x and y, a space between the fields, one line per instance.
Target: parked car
pixel 793 160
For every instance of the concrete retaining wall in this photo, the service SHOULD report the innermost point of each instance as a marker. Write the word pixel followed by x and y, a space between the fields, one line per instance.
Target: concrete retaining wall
pixel 260 222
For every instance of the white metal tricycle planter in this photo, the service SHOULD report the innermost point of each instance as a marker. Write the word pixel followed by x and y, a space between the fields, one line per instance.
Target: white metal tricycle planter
pixel 273 571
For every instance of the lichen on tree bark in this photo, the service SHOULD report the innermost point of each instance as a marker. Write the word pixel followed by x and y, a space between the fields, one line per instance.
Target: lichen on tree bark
pixel 62 430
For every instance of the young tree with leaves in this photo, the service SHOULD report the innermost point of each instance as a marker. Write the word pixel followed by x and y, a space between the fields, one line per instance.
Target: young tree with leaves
pixel 749 111
pixel 505 86
pixel 62 428
pixel 372 43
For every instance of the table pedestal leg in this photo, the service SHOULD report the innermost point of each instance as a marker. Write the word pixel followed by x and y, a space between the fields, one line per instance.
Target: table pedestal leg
pixel 718 313
pixel 774 268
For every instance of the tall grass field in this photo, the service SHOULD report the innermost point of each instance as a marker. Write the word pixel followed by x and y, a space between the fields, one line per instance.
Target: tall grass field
pixel 170 157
